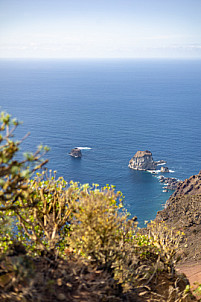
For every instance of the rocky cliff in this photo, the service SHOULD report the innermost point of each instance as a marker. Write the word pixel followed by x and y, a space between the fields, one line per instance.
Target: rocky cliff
pixel 143 161
pixel 183 211
pixel 190 186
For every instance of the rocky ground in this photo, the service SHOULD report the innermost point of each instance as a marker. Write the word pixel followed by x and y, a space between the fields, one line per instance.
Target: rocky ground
pixel 183 211
pixel 190 186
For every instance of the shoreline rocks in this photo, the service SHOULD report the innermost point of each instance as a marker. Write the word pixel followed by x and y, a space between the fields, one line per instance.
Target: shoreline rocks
pixel 143 161
pixel 170 183
pixel 76 152
pixel 164 169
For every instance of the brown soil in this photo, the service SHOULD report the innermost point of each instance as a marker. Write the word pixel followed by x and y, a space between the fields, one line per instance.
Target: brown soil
pixel 50 279
pixel 192 270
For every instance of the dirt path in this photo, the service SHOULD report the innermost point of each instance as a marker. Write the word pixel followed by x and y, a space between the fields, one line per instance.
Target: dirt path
pixel 193 272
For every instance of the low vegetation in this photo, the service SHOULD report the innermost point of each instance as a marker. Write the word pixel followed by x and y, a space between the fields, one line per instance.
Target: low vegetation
pixel 70 242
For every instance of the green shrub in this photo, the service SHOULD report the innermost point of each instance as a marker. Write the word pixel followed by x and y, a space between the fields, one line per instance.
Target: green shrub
pixel 45 225
pixel 14 176
pixel 167 240
pixel 99 225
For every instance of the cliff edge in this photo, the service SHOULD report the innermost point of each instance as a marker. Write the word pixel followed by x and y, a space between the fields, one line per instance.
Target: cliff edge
pixel 190 186
pixel 183 211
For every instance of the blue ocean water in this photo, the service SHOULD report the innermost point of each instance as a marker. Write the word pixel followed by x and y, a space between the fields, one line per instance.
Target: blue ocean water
pixel 115 107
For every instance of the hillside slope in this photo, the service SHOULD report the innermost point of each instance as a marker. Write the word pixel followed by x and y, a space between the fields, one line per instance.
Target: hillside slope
pixel 183 211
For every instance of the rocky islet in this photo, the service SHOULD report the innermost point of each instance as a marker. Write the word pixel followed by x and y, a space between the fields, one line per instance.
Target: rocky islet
pixel 76 152
pixel 143 161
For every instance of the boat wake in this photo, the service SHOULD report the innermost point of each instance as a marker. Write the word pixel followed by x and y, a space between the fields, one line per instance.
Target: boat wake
pixel 83 148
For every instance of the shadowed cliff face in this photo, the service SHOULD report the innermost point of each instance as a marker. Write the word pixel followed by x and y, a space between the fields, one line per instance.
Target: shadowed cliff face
pixel 183 211
pixel 190 186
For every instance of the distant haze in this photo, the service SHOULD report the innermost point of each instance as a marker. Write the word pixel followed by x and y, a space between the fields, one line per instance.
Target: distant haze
pixel 100 29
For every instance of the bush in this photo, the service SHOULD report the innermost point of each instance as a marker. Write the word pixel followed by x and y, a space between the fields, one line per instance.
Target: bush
pixel 45 225
pixel 51 217
pixel 99 225
pixel 167 240
pixel 14 176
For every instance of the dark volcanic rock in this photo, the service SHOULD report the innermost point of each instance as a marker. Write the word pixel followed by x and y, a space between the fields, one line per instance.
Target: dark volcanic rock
pixel 190 186
pixel 171 183
pixel 143 161
pixel 183 212
pixel 76 152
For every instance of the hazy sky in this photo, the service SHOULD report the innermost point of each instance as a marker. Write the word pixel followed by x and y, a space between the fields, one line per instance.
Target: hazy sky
pixel 100 28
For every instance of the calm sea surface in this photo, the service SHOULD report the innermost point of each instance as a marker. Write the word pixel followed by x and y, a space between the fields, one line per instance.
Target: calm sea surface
pixel 115 107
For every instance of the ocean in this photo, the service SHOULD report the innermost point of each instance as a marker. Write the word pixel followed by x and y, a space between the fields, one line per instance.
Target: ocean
pixel 113 108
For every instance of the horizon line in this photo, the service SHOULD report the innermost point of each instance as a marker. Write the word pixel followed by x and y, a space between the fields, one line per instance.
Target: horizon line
pixel 100 58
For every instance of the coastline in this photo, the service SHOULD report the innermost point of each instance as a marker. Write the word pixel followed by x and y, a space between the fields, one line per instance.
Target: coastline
pixel 183 212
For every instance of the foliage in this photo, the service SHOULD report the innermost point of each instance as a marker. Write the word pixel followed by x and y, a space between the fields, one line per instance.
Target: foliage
pixel 196 290
pixel 166 239
pixel 102 233
pixel 14 174
pixel 6 231
pixel 44 226
pixel 99 224
pixel 59 220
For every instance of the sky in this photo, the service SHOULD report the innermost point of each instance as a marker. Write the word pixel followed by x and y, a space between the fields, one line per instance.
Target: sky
pixel 100 29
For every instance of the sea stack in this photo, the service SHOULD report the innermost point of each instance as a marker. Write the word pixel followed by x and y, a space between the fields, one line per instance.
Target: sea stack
pixel 76 152
pixel 143 161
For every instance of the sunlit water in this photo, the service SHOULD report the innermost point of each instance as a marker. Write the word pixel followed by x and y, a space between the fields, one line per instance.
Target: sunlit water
pixel 112 109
